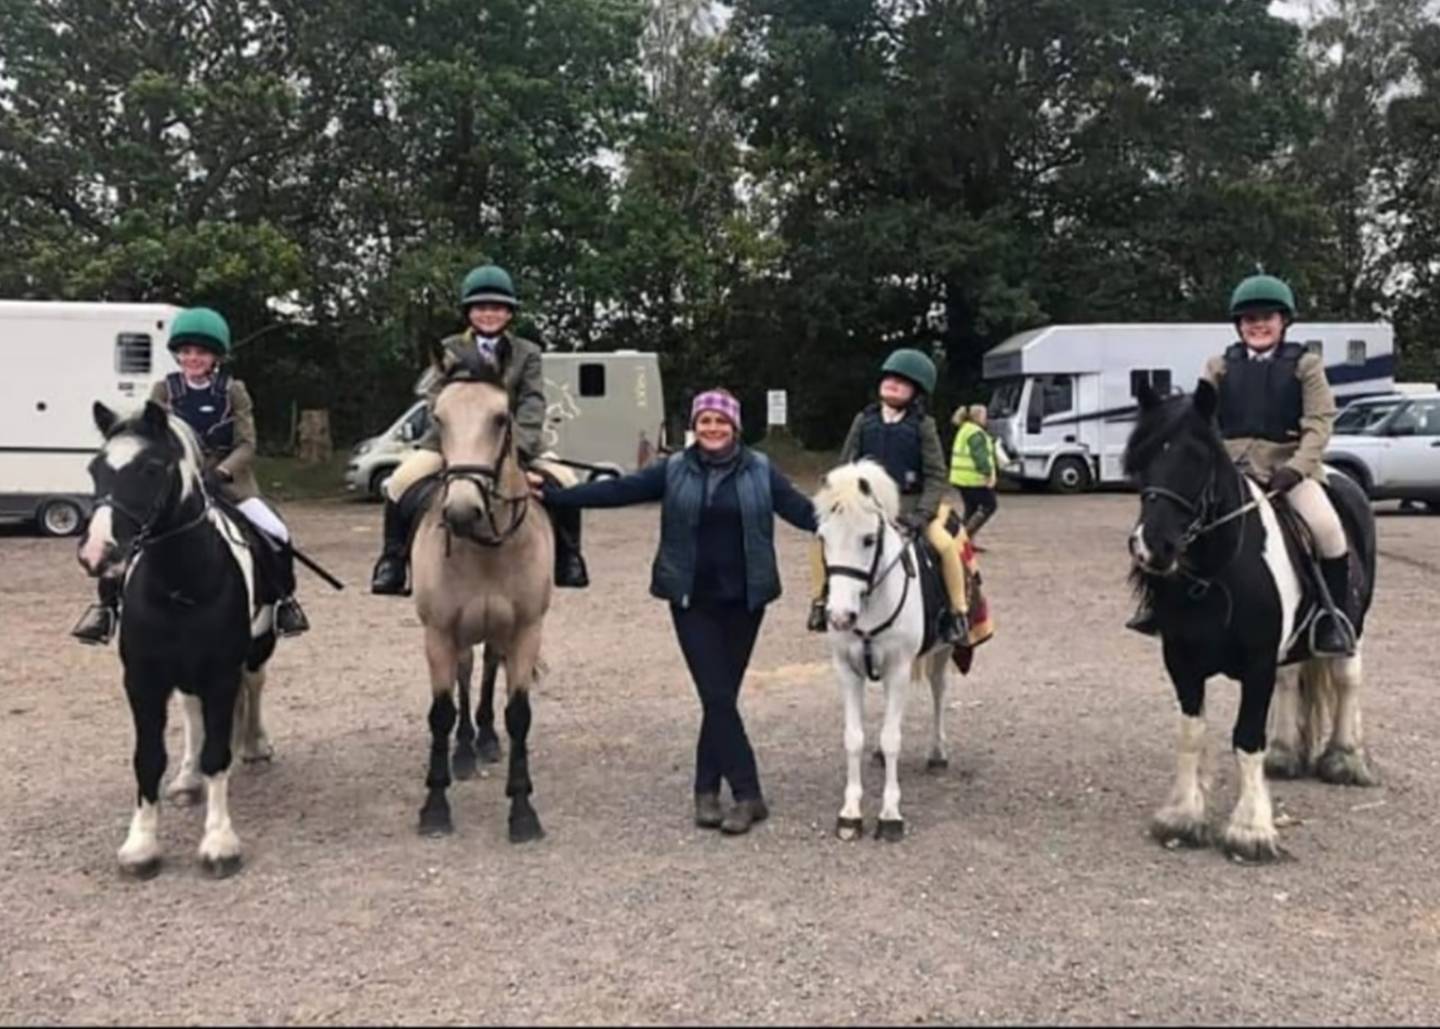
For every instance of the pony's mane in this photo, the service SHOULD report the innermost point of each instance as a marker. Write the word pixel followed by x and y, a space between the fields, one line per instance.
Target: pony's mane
pixel 858 487
pixel 1163 423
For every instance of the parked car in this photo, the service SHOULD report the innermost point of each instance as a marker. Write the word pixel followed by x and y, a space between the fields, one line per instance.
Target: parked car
pixel 1390 445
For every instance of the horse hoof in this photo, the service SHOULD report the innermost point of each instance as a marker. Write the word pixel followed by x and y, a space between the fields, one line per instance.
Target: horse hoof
pixel 435 819
pixel 1284 764
pixel 849 828
pixel 1248 848
pixel 488 751
pixel 462 765
pixel 1345 767
pixel 261 757
pixel 187 797
pixel 526 829
pixel 1173 833
pixel 221 868
pixel 877 757
pixel 142 871
pixel 891 830
pixel 937 764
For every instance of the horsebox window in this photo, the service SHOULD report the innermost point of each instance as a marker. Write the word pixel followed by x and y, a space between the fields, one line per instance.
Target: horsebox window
pixel 1158 379
pixel 592 380
pixel 1355 351
pixel 132 353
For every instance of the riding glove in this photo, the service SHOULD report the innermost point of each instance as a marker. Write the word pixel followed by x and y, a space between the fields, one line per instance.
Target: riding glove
pixel 1284 479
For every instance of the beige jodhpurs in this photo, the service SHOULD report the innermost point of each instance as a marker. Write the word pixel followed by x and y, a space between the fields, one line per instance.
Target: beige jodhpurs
pixel 1309 501
pixel 427 462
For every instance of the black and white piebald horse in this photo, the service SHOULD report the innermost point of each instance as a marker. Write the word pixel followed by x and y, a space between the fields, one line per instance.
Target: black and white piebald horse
pixel 189 621
pixel 1233 595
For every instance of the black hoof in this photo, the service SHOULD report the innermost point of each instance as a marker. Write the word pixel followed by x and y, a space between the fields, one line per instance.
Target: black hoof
pixel 877 757
pixel 488 750
pixel 221 868
pixel 142 872
pixel 435 818
pixel 525 828
pixel 891 831
pixel 937 764
pixel 849 828
pixel 462 765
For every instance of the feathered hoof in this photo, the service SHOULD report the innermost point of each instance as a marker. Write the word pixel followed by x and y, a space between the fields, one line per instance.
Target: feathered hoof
pixel 141 871
pixel 891 830
pixel 1172 829
pixel 462 765
pixel 183 796
pixel 937 764
pixel 1285 763
pixel 1252 846
pixel 1346 766
pixel 525 826
pixel 222 867
pixel 849 828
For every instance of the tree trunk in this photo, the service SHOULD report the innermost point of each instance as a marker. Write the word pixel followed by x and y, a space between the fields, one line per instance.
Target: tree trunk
pixel 314 445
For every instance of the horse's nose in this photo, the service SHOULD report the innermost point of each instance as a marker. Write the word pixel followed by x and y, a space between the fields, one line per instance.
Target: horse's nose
pixel 843 621
pixel 461 518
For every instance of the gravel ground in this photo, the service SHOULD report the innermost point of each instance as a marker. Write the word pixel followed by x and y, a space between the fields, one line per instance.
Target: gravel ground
pixel 1026 890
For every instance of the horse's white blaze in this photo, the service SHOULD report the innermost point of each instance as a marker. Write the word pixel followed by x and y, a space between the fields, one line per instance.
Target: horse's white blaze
pixel 1253 817
pixel 219 842
pixel 121 450
pixel 99 538
pixel 187 780
pixel 141 845
pixel 1287 583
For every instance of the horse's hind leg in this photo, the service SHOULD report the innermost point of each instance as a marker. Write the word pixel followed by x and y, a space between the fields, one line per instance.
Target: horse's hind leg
pixel 252 742
pixel 1182 820
pixel 520 665
pixel 1250 834
pixel 852 693
pixel 140 854
pixel 442 657
pixel 488 743
pixel 1345 761
pixel 1286 753
pixel 219 847
pixel 184 789
pixel 463 763
pixel 891 826
pixel 938 758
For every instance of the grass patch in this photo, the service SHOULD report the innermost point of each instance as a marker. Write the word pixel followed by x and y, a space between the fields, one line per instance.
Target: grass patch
pixel 802 467
pixel 285 478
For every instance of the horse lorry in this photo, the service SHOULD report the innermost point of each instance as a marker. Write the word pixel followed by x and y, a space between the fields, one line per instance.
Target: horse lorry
pixel 56 360
pixel 1063 398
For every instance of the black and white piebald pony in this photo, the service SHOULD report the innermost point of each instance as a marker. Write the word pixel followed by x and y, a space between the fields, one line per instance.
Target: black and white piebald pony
pixel 189 621
pixel 877 630
pixel 1231 598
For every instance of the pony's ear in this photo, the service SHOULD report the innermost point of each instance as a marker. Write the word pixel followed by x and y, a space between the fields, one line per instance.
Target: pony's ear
pixel 865 486
pixel 154 421
pixel 105 418
pixel 1206 399
pixel 1147 397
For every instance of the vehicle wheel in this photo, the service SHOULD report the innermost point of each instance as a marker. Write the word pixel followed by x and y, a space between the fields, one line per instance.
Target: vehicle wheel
pixel 1433 506
pixel 1070 475
pixel 378 478
pixel 60 518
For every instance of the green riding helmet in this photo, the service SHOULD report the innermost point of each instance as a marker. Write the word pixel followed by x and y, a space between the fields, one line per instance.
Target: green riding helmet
pixel 912 365
pixel 201 327
pixel 488 284
pixel 1263 293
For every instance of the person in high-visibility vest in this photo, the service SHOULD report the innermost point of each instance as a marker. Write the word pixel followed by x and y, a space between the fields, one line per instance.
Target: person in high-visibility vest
pixel 973 467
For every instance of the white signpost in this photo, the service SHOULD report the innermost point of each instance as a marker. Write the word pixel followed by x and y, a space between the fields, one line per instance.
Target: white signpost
pixel 775 401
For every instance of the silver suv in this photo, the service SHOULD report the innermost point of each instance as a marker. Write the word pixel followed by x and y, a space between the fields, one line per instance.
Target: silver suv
pixel 1390 445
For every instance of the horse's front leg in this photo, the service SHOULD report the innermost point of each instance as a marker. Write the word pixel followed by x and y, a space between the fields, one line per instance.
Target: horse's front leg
pixel 1182 819
pixel 487 742
pixel 463 762
pixel 938 758
pixel 184 789
pixel 850 824
pixel 520 670
pixel 219 847
pixel 891 826
pixel 1250 834
pixel 441 656
pixel 149 695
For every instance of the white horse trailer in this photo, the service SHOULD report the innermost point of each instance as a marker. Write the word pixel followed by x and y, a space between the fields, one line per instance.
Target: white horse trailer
pixel 1063 400
pixel 56 360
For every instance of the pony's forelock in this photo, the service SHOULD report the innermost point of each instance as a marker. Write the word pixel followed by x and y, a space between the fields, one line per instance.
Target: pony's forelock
pixel 861 486
pixel 1171 418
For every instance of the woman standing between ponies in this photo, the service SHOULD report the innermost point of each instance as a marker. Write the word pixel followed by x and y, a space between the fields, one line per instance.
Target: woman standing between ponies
pixel 716 566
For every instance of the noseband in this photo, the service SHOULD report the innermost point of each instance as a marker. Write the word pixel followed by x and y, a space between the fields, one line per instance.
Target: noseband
pixel 486 479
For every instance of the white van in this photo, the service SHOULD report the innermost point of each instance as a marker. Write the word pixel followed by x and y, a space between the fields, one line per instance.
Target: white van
pixel 56 360
pixel 1064 396
pixel 605 411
